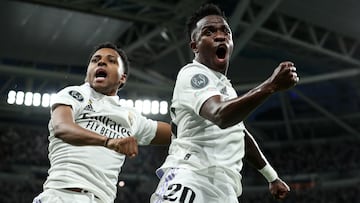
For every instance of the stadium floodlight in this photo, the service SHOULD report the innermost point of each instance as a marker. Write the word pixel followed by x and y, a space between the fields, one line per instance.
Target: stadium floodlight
pixel 28 99
pixel 146 106
pixel 11 97
pixel 163 107
pixel 36 99
pixel 155 107
pixel 20 97
pixel 139 105
pixel 45 100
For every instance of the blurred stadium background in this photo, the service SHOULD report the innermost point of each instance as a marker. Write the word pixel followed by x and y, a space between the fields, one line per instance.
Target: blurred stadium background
pixel 310 134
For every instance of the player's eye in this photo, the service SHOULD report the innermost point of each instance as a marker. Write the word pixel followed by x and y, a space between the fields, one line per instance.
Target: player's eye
pixel 94 60
pixel 227 31
pixel 113 61
pixel 208 32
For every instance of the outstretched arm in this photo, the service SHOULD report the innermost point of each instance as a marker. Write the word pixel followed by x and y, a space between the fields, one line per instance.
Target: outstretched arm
pixel 255 157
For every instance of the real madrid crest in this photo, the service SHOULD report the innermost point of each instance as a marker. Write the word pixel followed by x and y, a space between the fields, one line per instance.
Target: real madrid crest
pixel 76 95
pixel 199 81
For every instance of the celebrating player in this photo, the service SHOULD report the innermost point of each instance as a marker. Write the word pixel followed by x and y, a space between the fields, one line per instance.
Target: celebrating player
pixel 91 133
pixel 209 137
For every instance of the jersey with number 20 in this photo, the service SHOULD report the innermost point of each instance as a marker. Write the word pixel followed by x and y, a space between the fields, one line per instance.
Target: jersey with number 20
pixel 197 142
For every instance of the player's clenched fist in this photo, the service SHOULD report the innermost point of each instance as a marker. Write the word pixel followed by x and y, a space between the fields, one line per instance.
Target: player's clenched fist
pixel 279 189
pixel 284 76
pixel 127 146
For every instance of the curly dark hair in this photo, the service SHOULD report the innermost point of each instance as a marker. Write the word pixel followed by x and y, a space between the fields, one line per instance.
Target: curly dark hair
pixel 203 11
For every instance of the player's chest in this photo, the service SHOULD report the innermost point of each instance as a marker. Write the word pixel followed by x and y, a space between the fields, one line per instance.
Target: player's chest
pixel 107 113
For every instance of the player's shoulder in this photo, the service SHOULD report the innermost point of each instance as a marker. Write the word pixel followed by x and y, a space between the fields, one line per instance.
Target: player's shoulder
pixel 79 92
pixel 193 68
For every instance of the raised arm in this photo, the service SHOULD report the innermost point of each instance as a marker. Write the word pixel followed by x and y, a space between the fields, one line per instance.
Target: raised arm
pixel 66 129
pixel 231 112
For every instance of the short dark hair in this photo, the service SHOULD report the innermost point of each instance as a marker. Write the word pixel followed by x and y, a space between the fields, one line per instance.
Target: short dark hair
pixel 118 50
pixel 203 11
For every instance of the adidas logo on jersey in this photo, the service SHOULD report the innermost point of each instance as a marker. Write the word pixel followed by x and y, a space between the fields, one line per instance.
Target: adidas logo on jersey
pixel 89 107
pixel 224 91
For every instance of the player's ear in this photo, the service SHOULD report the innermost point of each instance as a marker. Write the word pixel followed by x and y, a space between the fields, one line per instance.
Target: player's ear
pixel 193 46
pixel 123 78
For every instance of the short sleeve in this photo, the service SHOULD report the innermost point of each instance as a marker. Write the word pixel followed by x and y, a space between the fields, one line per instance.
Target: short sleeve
pixel 194 86
pixel 71 96
pixel 144 129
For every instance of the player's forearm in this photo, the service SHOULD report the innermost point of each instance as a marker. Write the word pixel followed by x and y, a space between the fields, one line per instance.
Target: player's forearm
pixel 76 135
pixel 256 158
pixel 236 110
pixel 253 154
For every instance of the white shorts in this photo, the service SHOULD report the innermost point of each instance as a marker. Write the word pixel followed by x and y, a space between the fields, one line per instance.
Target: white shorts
pixel 65 196
pixel 186 186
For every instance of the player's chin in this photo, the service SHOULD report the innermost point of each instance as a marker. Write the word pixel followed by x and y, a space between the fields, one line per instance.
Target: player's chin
pixel 98 85
pixel 281 196
pixel 101 87
pixel 221 60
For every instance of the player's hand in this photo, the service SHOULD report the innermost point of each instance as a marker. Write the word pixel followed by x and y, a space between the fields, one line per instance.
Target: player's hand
pixel 279 189
pixel 127 146
pixel 284 76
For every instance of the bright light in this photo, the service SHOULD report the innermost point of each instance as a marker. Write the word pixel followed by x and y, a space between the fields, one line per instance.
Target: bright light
pixel 146 107
pixel 163 107
pixel 11 97
pixel 45 100
pixel 19 98
pixel 121 183
pixel 155 107
pixel 139 105
pixel 37 99
pixel 28 98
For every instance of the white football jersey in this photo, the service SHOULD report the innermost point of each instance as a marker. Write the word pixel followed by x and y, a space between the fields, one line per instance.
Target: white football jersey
pixel 94 168
pixel 197 142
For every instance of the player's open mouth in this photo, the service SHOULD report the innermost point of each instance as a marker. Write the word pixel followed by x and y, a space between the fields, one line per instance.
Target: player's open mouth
pixel 100 73
pixel 221 52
